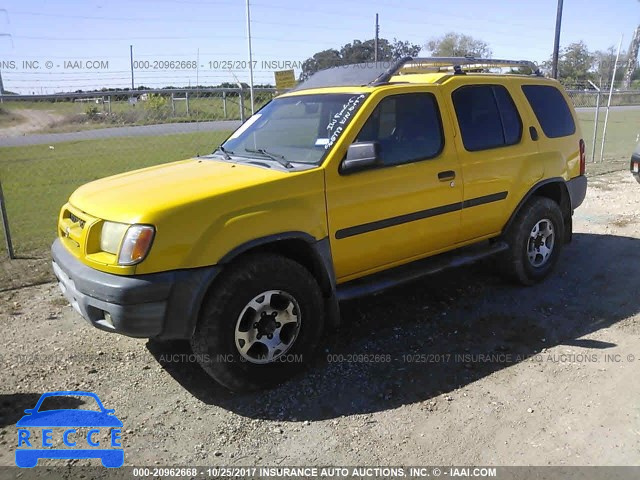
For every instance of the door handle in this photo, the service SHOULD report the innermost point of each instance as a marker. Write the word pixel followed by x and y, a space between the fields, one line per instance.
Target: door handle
pixel 534 133
pixel 446 176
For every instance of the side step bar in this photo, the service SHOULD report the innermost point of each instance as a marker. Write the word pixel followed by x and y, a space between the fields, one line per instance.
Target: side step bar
pixel 381 281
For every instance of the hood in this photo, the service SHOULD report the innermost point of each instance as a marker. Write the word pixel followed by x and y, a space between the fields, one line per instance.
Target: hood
pixel 135 196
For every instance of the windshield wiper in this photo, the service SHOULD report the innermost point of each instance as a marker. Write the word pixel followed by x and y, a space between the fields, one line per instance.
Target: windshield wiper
pixel 225 152
pixel 273 156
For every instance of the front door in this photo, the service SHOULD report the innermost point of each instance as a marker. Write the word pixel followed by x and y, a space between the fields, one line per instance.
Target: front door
pixel 408 206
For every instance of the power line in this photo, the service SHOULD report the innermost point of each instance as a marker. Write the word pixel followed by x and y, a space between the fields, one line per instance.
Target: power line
pixel 117 19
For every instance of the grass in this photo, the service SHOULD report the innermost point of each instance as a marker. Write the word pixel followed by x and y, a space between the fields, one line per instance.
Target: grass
pixel 76 116
pixel 623 133
pixel 37 181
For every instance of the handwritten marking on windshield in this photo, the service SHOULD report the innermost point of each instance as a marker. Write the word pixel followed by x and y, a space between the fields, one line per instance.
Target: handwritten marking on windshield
pixel 341 118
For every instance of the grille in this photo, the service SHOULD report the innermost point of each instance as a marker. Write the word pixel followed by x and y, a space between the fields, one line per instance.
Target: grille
pixel 77 220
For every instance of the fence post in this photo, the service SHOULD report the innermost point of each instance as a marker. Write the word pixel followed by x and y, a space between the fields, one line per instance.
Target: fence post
pixel 224 104
pixel 595 121
pixel 5 223
pixel 241 105
pixel 186 97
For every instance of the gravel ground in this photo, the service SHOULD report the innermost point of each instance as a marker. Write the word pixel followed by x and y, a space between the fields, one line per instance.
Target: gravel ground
pixel 474 371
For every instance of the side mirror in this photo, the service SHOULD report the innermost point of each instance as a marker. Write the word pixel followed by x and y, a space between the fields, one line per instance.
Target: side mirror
pixel 360 156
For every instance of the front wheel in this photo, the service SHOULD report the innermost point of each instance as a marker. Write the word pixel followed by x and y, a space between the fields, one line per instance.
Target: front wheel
pixel 260 324
pixel 535 240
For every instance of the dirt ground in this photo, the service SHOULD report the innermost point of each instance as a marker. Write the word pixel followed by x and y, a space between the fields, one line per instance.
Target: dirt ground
pixel 33 121
pixel 479 373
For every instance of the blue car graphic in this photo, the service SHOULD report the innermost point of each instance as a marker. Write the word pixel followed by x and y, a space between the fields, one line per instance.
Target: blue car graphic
pixel 73 418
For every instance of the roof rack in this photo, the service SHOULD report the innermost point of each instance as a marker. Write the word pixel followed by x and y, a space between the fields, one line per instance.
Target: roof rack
pixel 456 64
pixel 379 73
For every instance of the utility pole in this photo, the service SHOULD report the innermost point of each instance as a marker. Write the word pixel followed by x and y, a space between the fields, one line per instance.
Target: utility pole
pixel 131 57
pixel 250 56
pixel 556 43
pixel 375 43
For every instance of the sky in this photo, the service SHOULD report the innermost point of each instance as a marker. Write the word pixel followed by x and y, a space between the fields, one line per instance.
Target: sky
pixel 43 42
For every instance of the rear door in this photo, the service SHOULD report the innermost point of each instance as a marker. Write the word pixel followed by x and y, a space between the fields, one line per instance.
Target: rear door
pixel 498 156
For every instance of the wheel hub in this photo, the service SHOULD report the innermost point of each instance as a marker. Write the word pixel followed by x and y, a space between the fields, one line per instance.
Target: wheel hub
pixel 267 326
pixel 541 242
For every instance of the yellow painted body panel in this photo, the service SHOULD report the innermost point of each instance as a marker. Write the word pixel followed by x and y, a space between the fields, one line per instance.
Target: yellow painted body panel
pixel 204 208
pixel 388 192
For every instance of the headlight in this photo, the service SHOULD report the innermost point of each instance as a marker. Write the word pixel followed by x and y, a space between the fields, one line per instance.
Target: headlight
pixel 130 243
pixel 136 244
pixel 111 237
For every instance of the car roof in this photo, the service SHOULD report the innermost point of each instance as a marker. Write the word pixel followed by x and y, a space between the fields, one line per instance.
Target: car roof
pixel 426 79
pixel 409 70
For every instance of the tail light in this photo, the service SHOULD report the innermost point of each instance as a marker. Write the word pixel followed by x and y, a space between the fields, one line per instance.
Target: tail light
pixel 583 158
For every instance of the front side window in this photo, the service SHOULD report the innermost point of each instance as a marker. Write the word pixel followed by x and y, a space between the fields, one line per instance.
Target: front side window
pixel 487 116
pixel 407 127
pixel 298 129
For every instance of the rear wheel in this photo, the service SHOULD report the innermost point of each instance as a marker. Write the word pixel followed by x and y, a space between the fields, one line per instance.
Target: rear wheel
pixel 260 324
pixel 535 240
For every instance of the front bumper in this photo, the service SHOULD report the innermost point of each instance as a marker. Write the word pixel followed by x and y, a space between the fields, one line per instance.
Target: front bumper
pixel 158 305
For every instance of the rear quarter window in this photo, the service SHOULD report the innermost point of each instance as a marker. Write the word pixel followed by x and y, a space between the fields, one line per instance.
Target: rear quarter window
pixel 551 110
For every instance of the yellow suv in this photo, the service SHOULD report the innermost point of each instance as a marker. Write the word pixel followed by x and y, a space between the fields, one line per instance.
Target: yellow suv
pixel 361 178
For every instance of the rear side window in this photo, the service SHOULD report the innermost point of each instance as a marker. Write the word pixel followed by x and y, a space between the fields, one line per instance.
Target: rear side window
pixel 551 109
pixel 487 117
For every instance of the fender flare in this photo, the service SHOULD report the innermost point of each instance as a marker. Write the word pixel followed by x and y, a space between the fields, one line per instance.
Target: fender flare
pixel 322 265
pixel 532 191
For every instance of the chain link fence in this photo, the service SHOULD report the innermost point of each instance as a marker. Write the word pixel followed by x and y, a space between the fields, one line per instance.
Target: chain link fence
pixel 610 137
pixel 50 145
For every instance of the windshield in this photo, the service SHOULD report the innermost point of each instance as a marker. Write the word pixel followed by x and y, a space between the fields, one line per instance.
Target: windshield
pixel 298 129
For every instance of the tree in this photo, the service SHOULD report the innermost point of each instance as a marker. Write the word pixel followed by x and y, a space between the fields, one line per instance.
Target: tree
pixel 575 63
pixel 603 62
pixel 358 52
pixel 458 45
pixel 632 62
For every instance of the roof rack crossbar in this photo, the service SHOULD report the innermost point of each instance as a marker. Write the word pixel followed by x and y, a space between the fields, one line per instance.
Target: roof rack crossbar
pixel 457 64
pixel 363 74
pixel 391 71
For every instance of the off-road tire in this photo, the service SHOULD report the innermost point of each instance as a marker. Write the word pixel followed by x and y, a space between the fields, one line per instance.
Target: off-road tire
pixel 214 340
pixel 515 263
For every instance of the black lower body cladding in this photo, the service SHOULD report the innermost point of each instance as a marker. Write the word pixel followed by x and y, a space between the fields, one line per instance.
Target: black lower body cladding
pixel 158 305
